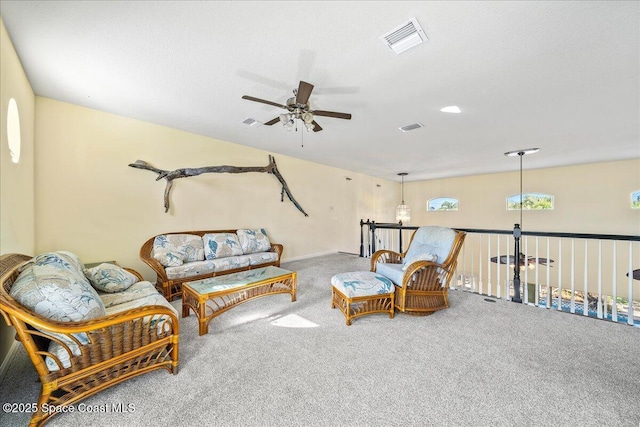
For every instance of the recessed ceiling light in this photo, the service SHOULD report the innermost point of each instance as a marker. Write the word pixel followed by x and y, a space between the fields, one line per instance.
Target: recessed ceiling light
pixel 451 109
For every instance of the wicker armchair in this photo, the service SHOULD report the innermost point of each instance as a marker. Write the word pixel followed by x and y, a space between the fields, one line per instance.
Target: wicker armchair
pixel 120 346
pixel 422 284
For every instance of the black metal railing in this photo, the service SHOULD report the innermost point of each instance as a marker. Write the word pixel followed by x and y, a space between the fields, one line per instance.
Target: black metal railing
pixel 589 269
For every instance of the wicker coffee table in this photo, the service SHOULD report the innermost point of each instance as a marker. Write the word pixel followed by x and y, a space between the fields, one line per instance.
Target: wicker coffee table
pixel 208 298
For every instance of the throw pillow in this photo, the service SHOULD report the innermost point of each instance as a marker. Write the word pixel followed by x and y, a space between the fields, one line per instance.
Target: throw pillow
pixel 51 287
pixel 189 245
pixel 221 245
pixel 253 241
pixel 110 278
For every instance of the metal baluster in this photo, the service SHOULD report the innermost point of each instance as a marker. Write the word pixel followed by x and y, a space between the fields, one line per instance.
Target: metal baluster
pixel 585 297
pixel 489 265
pixel 572 307
pixel 600 315
pixel 559 274
pixel 614 305
pixel 630 293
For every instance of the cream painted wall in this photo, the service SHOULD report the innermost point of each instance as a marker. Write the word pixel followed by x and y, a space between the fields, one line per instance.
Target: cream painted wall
pixel 592 198
pixel 90 202
pixel 16 179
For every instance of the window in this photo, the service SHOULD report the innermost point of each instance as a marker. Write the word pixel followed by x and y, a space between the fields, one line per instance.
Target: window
pixel 442 204
pixel 13 130
pixel 530 202
pixel 635 200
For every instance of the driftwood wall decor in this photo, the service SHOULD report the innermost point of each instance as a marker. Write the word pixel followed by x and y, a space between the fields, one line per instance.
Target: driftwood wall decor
pixel 271 168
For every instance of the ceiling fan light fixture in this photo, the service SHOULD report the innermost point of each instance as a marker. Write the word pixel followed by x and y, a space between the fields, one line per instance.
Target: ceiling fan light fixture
pixel 307 117
pixel 298 107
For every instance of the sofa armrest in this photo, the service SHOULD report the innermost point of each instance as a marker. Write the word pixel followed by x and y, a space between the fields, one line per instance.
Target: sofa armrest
pixel 135 273
pixel 277 248
pixel 146 256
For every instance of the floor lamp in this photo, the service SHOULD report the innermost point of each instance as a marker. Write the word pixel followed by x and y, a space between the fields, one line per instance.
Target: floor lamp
pixel 517 229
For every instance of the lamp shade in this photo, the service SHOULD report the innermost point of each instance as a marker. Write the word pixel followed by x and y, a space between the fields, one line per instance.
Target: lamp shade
pixel 403 214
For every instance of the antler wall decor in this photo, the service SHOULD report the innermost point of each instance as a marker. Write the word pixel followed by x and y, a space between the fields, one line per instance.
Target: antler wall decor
pixel 271 168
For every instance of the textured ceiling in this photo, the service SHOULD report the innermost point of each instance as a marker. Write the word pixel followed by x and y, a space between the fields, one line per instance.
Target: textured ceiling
pixel 562 76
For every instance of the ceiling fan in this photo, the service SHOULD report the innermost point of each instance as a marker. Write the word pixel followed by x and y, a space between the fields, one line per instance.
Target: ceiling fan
pixel 299 108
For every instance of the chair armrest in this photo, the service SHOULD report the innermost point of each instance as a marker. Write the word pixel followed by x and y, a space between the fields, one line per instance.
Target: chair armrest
pixel 426 275
pixel 385 256
pixel 108 337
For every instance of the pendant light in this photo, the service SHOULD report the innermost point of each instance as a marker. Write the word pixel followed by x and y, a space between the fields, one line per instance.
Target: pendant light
pixel 403 213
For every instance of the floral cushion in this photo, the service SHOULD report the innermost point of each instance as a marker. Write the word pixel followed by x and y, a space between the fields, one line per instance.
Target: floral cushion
pixel 189 245
pixel 220 245
pixel 253 241
pixel 262 258
pixel 139 294
pixel 110 277
pixel 203 267
pixel 168 258
pixel 136 291
pixel 362 283
pixel 54 286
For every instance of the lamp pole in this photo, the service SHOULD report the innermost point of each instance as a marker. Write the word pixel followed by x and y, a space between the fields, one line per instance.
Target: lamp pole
pixel 517 230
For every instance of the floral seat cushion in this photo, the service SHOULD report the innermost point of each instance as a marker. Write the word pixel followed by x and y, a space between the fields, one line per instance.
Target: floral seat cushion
pixel 361 283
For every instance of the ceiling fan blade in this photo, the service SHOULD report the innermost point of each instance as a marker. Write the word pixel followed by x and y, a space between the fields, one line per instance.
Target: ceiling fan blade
pixel 345 116
pixel 272 121
pixel 304 92
pixel 251 98
pixel 316 126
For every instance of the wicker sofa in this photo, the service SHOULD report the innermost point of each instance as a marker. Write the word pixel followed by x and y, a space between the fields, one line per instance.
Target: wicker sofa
pixel 184 256
pixel 82 340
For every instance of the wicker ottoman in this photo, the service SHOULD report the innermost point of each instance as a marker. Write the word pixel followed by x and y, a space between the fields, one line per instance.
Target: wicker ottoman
pixel 362 292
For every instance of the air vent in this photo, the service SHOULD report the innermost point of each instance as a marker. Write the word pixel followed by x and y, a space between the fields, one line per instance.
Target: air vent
pixel 405 36
pixel 411 127
pixel 250 122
